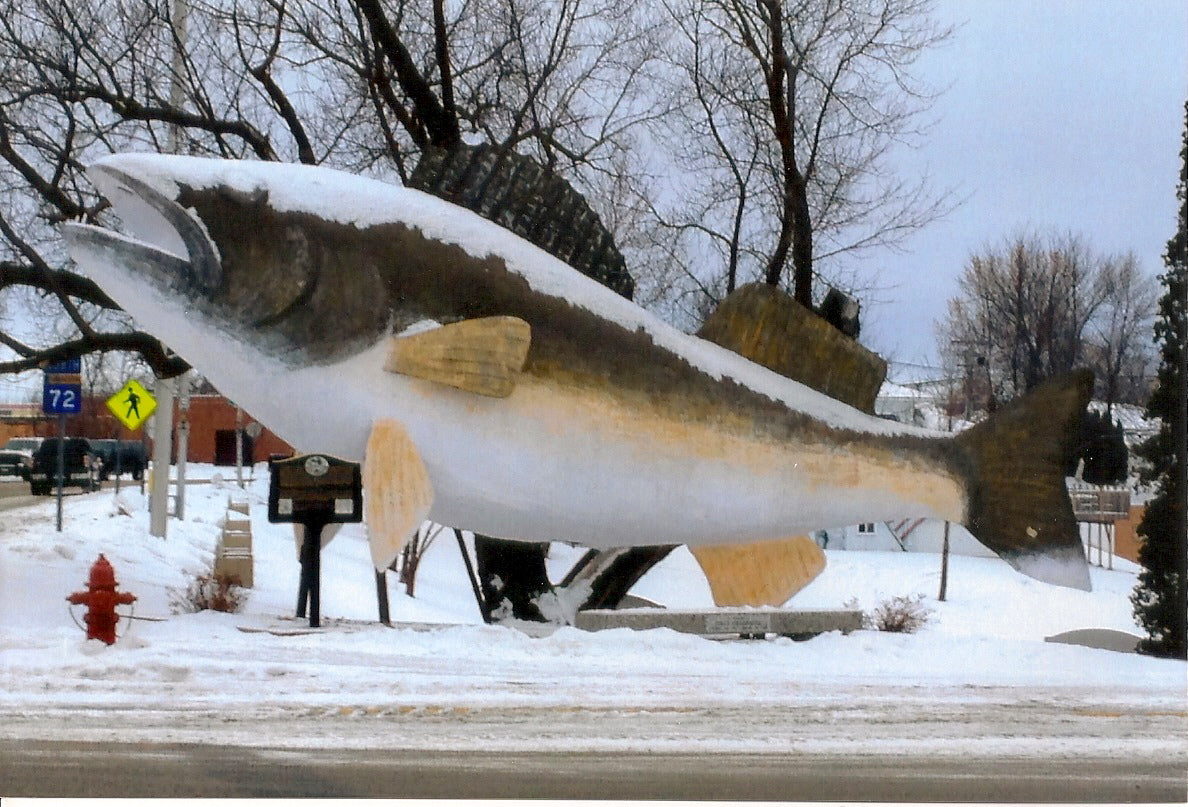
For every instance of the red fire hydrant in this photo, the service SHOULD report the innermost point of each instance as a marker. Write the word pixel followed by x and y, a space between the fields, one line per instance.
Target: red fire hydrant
pixel 101 599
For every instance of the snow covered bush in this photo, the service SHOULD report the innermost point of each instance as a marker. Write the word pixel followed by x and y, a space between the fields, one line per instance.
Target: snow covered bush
pixel 209 592
pixel 900 614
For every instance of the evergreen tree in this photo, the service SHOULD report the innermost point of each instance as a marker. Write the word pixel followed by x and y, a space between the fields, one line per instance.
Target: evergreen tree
pixel 1160 604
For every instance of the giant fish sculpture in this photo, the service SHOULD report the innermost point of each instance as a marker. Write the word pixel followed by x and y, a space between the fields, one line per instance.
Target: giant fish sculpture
pixel 489 386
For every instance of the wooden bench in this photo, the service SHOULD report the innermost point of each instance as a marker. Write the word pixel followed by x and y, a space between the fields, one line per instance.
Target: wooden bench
pixel 233 555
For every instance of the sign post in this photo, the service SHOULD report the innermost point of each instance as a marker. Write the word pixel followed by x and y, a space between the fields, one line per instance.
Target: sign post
pixel 61 395
pixel 314 490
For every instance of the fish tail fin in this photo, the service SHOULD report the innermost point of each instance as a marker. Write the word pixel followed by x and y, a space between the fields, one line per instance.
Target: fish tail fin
pixel 1018 503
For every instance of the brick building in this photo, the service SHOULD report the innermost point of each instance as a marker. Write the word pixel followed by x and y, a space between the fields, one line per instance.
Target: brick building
pixel 213 422
pixel 18 420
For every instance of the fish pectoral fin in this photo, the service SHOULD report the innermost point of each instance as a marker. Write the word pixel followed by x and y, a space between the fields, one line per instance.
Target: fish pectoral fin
pixel 483 356
pixel 762 572
pixel 397 493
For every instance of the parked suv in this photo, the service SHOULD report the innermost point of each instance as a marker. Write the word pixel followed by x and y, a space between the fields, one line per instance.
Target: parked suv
pixel 80 467
pixel 27 444
pixel 126 456
pixel 16 458
pixel 15 463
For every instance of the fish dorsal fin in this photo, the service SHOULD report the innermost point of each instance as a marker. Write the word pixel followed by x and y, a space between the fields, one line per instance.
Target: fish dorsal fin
pixel 484 356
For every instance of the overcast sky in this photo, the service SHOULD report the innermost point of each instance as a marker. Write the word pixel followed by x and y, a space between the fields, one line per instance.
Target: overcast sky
pixel 1061 116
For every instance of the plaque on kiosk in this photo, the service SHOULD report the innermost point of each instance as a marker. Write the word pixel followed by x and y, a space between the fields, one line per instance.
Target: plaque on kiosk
pixel 315 487
pixel 315 490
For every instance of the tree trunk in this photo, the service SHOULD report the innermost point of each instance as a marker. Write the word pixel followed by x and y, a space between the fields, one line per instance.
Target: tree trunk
pixel 802 246
pixel 796 229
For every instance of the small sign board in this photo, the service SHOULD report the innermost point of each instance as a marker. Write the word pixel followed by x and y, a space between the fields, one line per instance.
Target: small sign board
pixel 738 622
pixel 62 391
pixel 315 487
pixel 132 405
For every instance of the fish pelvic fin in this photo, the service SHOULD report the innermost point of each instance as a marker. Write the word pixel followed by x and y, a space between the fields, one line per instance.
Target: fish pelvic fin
pixel 1018 503
pixel 761 572
pixel 397 493
pixel 484 356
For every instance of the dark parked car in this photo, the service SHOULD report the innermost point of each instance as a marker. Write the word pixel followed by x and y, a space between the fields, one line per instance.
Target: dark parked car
pixel 121 456
pixel 15 463
pixel 80 468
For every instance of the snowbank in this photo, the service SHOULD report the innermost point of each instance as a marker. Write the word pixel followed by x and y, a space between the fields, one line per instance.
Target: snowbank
pixel 989 634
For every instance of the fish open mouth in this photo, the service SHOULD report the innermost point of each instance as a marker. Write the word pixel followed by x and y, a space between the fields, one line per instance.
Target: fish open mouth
pixel 170 245
pixel 197 240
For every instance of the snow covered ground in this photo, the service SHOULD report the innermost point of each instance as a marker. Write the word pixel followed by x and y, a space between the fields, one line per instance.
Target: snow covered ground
pixel 979 676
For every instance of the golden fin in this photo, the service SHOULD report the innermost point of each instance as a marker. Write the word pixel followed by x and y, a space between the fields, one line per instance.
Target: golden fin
pixel 760 573
pixel 483 356
pixel 396 491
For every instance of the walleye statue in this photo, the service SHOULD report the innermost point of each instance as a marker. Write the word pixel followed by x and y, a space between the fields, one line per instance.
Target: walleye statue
pixel 489 386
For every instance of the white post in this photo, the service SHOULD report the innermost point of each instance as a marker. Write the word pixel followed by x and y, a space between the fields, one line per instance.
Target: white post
pixel 162 445
pixel 181 11
pixel 183 441
pixel 163 417
pixel 239 446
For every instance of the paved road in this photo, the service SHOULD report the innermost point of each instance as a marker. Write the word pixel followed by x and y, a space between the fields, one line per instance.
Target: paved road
pixel 14 493
pixel 863 747
pixel 75 769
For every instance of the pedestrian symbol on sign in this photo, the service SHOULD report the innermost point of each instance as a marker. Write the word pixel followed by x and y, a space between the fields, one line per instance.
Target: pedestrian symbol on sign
pixel 133 402
pixel 132 405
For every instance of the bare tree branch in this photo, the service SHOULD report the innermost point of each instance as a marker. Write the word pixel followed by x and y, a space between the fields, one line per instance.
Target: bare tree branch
pixel 440 123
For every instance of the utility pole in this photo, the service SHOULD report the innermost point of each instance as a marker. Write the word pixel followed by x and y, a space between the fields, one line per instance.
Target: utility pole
pixel 181 11
pixel 163 417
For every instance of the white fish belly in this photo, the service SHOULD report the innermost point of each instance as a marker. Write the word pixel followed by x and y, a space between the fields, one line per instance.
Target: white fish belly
pixel 554 463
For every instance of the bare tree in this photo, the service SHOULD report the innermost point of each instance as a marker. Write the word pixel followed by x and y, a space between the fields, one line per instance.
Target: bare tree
pixel 1030 309
pixel 368 86
pixel 1119 348
pixel 793 107
pixel 362 85
pixel 81 81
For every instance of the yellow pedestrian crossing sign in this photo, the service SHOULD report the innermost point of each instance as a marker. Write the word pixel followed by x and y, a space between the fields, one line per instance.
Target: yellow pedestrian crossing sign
pixel 132 405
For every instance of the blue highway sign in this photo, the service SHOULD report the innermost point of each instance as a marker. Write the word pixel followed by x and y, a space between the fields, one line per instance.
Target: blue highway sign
pixel 62 391
pixel 68 367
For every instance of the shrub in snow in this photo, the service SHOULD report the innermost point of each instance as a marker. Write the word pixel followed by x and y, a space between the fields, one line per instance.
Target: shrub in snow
pixel 121 507
pixel 210 592
pixel 900 614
